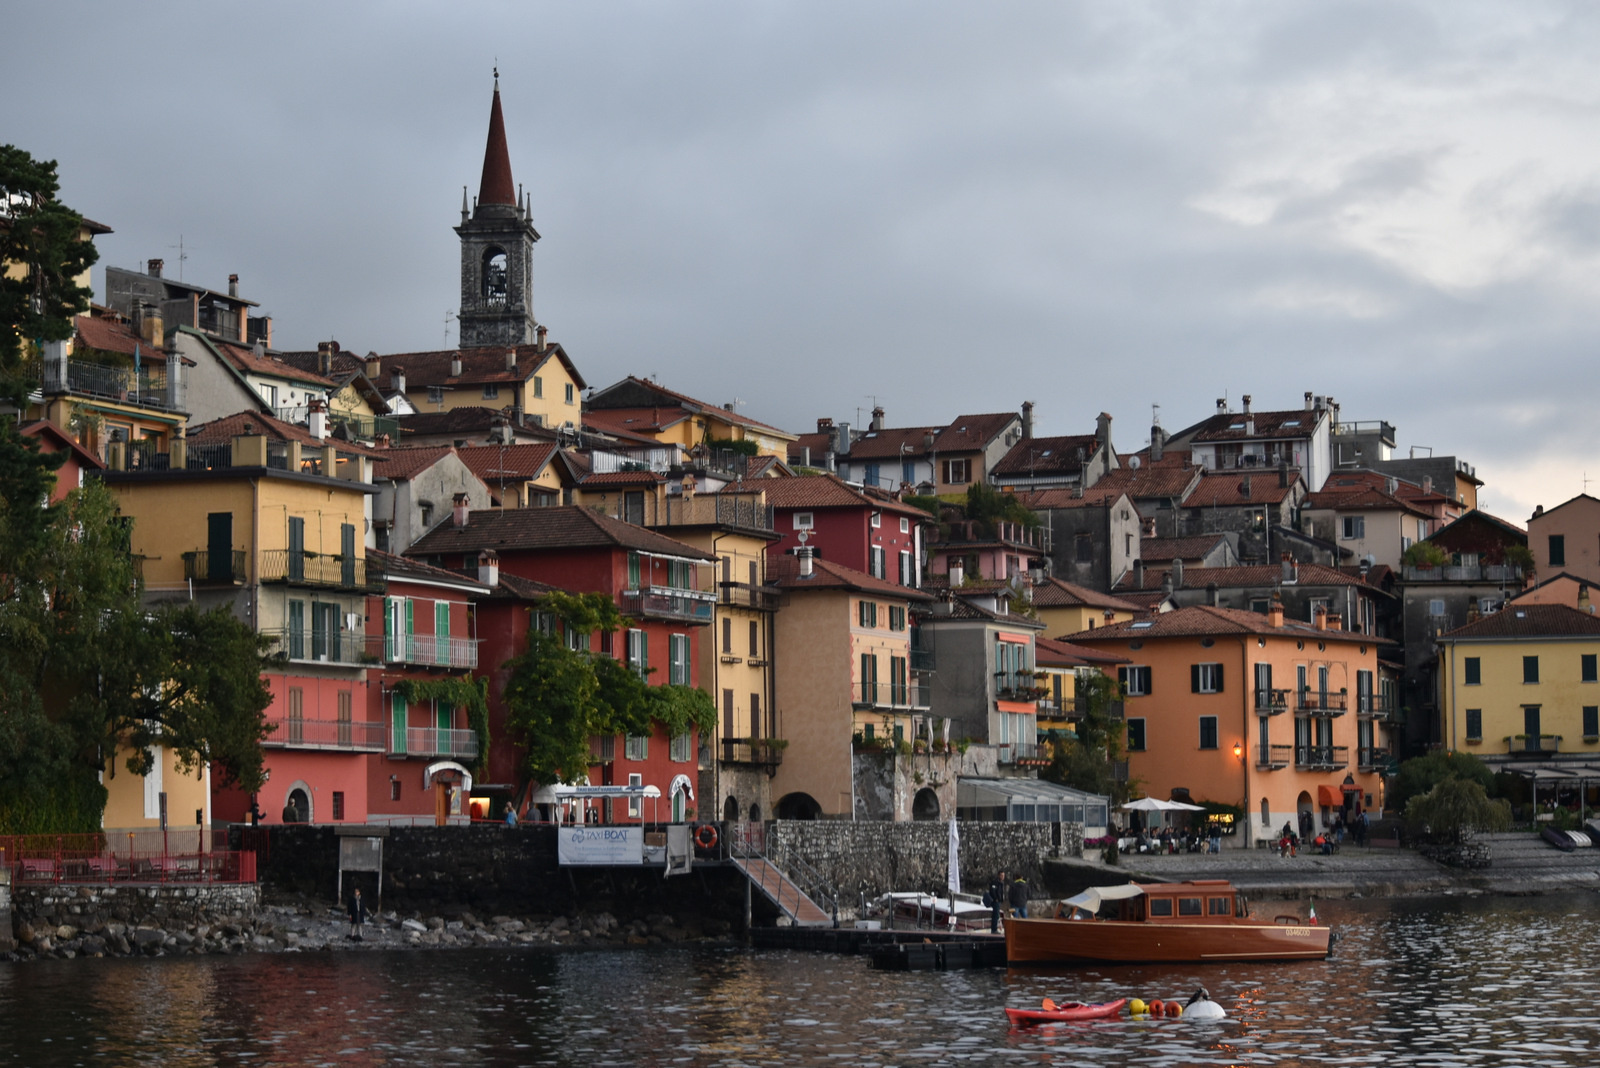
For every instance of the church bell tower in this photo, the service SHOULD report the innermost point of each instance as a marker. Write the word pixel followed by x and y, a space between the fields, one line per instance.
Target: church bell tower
pixel 497 239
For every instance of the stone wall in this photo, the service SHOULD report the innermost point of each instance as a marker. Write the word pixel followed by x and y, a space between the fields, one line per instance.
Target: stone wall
pixel 8 941
pixel 122 918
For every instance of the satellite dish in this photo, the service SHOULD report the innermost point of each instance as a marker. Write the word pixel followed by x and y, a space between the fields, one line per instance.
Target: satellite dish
pixel 1134 462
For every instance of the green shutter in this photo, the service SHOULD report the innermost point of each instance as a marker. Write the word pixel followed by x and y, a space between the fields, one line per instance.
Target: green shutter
pixel 397 745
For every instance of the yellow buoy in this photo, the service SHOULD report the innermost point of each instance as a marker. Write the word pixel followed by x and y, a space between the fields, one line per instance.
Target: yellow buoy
pixel 1136 1007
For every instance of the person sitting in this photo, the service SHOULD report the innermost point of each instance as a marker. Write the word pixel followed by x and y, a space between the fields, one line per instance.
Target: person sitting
pixel 1323 843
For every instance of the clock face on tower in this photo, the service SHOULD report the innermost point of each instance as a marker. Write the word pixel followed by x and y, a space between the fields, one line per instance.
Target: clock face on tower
pixel 497 240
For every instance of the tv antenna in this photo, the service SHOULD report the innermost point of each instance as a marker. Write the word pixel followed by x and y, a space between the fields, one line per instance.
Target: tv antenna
pixel 182 255
pixel 448 316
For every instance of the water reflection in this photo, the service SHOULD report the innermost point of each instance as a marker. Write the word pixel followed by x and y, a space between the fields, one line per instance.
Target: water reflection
pixel 1442 982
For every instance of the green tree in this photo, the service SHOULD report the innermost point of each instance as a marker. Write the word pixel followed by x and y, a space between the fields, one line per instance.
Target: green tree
pixel 1421 774
pixel 1087 758
pixel 557 697
pixel 1453 811
pixel 43 254
pixel 988 506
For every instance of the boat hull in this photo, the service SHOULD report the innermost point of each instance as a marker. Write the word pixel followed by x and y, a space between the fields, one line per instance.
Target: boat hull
pixel 1149 942
pixel 1066 1013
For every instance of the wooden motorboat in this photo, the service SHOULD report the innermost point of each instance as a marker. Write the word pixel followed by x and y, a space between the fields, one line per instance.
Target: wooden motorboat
pixel 1191 922
pixel 1065 1012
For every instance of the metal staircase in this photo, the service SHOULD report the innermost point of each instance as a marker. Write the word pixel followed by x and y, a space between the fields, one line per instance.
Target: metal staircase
pixel 798 890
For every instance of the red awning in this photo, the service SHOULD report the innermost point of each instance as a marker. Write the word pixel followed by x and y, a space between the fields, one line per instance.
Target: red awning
pixel 1328 797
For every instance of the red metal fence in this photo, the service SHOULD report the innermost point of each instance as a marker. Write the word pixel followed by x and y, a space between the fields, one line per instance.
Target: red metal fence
pixel 128 857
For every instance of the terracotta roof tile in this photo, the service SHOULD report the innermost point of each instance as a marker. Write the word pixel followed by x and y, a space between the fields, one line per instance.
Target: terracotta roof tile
pixel 400 568
pixel 969 433
pixel 1204 620
pixel 1529 621
pixel 829 491
pixel 467 421
pixel 245 359
pixel 1163 550
pixel 1242 576
pixel 1047 456
pixel 492 463
pixel 1051 652
pixel 223 430
pixel 1058 593
pixel 622 478
pixel 539 529
pixel 1291 424
pixel 1222 489
pixel 108 334
pixel 478 366
pixel 1362 500
pixel 689 403
pixel 886 444
pixel 405 463
pixel 784 572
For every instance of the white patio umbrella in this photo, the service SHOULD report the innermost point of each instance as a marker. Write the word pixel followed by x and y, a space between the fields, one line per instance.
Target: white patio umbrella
pixel 1155 804
pixel 955 860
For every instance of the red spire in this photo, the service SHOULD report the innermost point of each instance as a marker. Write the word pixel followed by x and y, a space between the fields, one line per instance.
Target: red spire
pixel 496 186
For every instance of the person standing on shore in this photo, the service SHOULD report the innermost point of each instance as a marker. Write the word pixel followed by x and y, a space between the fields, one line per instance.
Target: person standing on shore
pixel 358 914
pixel 994 897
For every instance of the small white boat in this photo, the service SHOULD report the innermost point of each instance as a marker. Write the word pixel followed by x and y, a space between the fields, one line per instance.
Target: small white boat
pixel 958 912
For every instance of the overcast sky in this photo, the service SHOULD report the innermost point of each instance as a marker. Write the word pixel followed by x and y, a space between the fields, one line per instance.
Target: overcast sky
pixel 940 207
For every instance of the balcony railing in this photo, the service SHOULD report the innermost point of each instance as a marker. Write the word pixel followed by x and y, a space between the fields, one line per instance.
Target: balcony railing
pixel 749 751
pixel 1316 703
pixel 724 510
pixel 311 646
pixel 742 595
pixel 356 427
pixel 354 735
pixel 1271 702
pixel 1322 756
pixel 1510 573
pixel 665 602
pixel 434 742
pixel 1011 753
pixel 1538 745
pixel 892 697
pixel 146 387
pixel 1017 686
pixel 430 650
pixel 1373 705
pixel 220 568
pixel 328 570
pixel 1273 756
pixel 1372 757
pixel 921 659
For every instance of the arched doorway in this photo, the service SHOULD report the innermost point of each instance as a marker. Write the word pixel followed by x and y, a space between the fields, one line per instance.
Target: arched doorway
pixel 755 813
pixel 297 806
pixel 799 806
pixel 925 806
pixel 1307 813
pixel 730 809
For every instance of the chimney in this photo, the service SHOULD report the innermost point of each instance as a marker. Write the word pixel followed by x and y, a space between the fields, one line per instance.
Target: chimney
pixel 1335 621
pixel 455 366
pixel 325 358
pixel 1177 574
pixel 541 333
pixel 1427 484
pixel 151 328
pixel 1308 400
pixel 1158 441
pixel 1275 612
pixel 1027 420
pixel 805 561
pixel 233 285
pixel 260 349
pixel 1290 570
pixel 1102 433
pixel 957 574
pixel 1538 510
pixel 511 359
pixel 489 567
pixel 317 418
pixel 1583 598
pixel 1319 618
pixel 1111 616
pixel 1211 595
pixel 1138 574
pixel 459 509
pixel 1149 526
pixel 1283 473
pixel 877 417
pixel 154 267
pixel 1222 405
pixel 825 426
pixel 842 434
pixel 397 379
pixel 1247 404
pixel 374 366
pixel 805 456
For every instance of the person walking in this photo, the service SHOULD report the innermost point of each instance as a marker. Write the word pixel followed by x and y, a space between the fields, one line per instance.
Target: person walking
pixel 358 914
pixel 1019 898
pixel 992 897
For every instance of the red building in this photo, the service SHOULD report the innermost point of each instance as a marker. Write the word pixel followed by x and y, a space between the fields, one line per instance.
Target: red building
pixel 662 587
pixel 860 529
pixel 69 476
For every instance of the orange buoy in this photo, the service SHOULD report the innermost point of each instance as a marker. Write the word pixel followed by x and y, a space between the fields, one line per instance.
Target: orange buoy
pixel 1174 1009
pixel 1158 1008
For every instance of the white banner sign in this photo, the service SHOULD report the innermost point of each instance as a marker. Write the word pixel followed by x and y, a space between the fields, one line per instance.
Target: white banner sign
pixel 588 844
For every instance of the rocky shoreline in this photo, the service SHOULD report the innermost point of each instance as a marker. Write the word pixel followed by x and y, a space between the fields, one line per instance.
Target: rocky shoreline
pixel 308 927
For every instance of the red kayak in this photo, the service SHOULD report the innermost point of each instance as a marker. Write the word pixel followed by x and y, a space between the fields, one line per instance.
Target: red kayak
pixel 1065 1012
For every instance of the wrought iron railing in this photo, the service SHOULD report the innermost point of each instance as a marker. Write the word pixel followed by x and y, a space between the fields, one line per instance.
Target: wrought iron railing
pixel 1010 753
pixel 430 650
pixel 1271 702
pixel 299 732
pixel 146 387
pixel 205 566
pixel 333 570
pixel 433 742
pixel 1534 744
pixel 1369 757
pixel 1373 705
pixel 1273 756
pixel 893 696
pixel 664 602
pixel 1321 756
pixel 314 646
pixel 1317 703
pixel 751 751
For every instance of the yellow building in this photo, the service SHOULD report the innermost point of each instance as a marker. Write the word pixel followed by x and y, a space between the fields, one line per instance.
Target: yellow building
pixel 1522 685
pixel 538 380
pixel 1066 608
pixel 167 798
pixel 638 406
pixel 1059 667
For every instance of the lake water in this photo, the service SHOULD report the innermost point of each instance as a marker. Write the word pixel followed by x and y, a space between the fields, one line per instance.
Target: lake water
pixel 1438 982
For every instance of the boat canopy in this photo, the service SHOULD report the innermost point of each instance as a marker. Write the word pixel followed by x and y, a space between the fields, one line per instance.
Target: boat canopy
pixel 1091 899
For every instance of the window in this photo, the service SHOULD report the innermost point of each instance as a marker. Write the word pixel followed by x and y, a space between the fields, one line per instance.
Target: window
pixel 1208 732
pixel 803 521
pixel 868 612
pixel 635 571
pixel 1591 671
pixel 876 566
pixel 1354 527
pixel 727 636
pixel 678 752
pixel 755 716
pixel 871 478
pixel 907 576
pixel 490 391
pixel 1591 721
pixel 636 747
pixel 1189 906
pixel 1219 906
pixel 1136 735
pixel 897 617
pixel 957 472
pixel 728 729
pixel 338 804
pixel 1436 608
pixel 1136 680
pixel 1558 550
pixel 394 788
pixel 755 638
pixel 538 386
pixel 1083 545
pixel 569 392
pixel 678 659
pixel 1205 678
pixel 877 517
pixel 898 682
pixel 1530 669
pixel 1473 670
pixel 435 394
pixel 1161 906
pixel 905 525
pixel 1260 606
pixel 1474 724
pixel 635 803
pixel 345 707
pixel 869 678
pixel 639 652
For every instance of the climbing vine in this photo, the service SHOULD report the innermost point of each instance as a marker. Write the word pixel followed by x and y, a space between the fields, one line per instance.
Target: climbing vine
pixel 470 694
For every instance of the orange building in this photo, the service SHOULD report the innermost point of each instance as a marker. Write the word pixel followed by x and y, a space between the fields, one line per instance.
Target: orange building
pixel 1284 719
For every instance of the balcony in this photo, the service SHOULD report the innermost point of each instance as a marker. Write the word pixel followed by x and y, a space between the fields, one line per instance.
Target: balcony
pixel 1316 703
pixel 320 570
pixel 742 511
pixel 1012 754
pixel 145 388
pixel 751 751
pixel 345 648
pixel 888 697
pixel 1506 573
pixel 665 602
pixel 348 735
pixel 1373 706
pixel 1269 757
pixel 434 742
pixel 1018 686
pixel 429 650
pixel 219 569
pixel 1533 745
pixel 355 427
pixel 1373 757
pixel 1271 702
pixel 743 595
pixel 1322 757
pixel 921 659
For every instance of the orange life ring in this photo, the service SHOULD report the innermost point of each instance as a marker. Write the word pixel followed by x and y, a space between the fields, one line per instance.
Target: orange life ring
pixel 705 836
